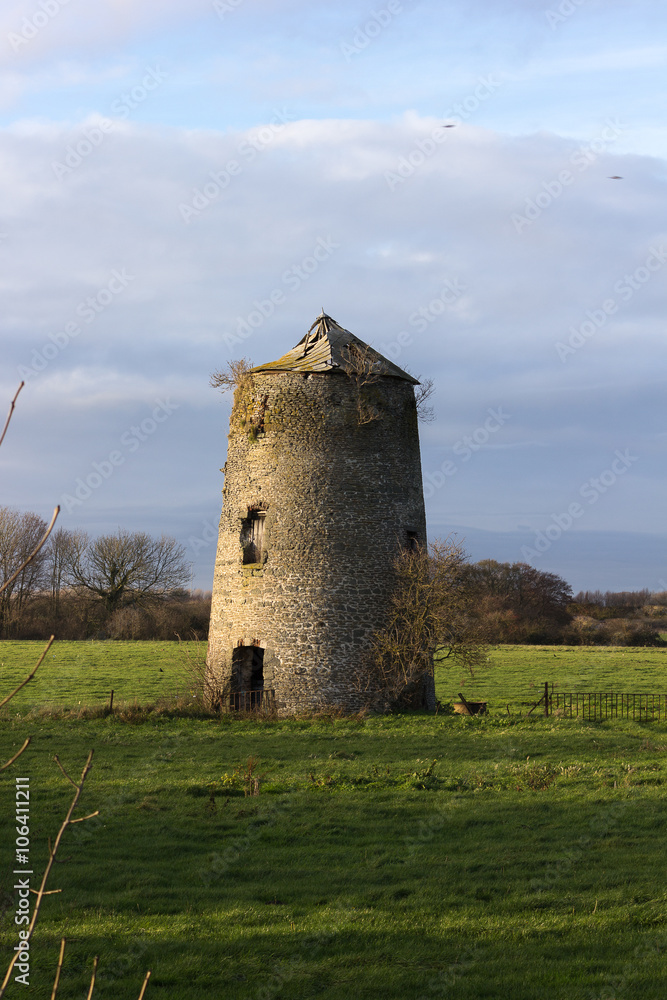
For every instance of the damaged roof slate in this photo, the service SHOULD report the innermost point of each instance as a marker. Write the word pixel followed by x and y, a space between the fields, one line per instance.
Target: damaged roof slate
pixel 328 346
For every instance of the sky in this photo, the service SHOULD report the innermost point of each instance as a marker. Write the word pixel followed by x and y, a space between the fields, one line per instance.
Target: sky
pixel 191 181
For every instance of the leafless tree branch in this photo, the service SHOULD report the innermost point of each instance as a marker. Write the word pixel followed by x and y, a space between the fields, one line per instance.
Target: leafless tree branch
pixel 34 552
pixel 57 760
pixel 58 970
pixel 47 871
pixel 232 376
pixel 361 364
pixel 432 611
pixel 126 566
pixel 17 755
pixel 92 979
pixel 82 819
pixel 423 393
pixel 11 410
pixel 145 984
pixel 23 683
pixel 68 821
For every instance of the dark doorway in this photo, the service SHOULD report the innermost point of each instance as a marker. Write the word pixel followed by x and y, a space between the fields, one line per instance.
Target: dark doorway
pixel 247 687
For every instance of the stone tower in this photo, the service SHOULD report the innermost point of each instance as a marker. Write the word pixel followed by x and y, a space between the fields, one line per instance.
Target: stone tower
pixel 322 487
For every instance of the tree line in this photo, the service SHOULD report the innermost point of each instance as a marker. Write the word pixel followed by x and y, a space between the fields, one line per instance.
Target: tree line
pixel 630 599
pixel 129 585
pixel 519 604
pixel 126 585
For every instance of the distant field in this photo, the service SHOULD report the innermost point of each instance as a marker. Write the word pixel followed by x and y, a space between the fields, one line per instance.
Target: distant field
pixel 517 674
pixel 84 673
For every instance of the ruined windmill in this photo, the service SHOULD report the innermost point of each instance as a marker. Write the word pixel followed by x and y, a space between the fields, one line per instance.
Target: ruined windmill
pixel 322 487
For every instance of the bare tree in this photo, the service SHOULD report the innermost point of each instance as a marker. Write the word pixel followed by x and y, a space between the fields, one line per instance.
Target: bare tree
pixel 125 568
pixel 232 376
pixel 423 393
pixel 20 535
pixel 518 602
pixel 432 612
pixel 361 364
pixel 63 543
pixel 250 412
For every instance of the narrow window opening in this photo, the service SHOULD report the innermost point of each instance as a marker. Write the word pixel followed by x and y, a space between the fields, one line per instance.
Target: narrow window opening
pixel 252 536
pixel 247 681
pixel 261 414
pixel 412 541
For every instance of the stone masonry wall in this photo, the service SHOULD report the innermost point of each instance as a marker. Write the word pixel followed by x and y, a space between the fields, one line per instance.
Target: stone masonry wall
pixel 340 497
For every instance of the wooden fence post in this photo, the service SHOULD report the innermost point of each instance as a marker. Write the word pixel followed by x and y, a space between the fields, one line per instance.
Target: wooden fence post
pixel 546 698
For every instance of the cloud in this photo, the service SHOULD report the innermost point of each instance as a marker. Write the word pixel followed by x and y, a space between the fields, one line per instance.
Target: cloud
pixel 121 204
pixel 160 253
pixel 31 29
pixel 36 29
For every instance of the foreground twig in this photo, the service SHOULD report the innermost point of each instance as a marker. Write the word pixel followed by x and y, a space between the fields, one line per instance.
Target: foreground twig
pixel 24 682
pixel 68 821
pixel 92 978
pixel 55 512
pixel 34 551
pixel 145 984
pixel 49 865
pixel 71 780
pixel 58 970
pixel 11 410
pixel 15 691
pixel 17 755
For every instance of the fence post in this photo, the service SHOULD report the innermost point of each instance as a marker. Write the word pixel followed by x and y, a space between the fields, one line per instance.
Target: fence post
pixel 546 698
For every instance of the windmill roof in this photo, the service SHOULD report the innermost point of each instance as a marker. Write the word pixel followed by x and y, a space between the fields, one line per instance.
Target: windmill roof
pixel 327 347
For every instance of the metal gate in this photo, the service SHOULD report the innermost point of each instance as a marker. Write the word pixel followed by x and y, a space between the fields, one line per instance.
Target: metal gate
pixel 596 706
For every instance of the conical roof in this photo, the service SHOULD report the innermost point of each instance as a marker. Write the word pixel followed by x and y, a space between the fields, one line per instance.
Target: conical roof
pixel 327 347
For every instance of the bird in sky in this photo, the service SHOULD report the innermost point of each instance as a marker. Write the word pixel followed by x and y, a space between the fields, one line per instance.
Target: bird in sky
pixel 615 177
pixel 453 125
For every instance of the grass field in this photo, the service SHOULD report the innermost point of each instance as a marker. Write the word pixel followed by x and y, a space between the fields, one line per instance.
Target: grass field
pixel 517 674
pixel 84 673
pixel 406 857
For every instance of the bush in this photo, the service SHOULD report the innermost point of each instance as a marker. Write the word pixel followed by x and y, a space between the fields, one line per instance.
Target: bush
pixel 79 616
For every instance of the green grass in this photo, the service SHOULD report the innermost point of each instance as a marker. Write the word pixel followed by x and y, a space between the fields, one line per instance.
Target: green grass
pixel 405 857
pixel 525 863
pixel 84 673
pixel 516 674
